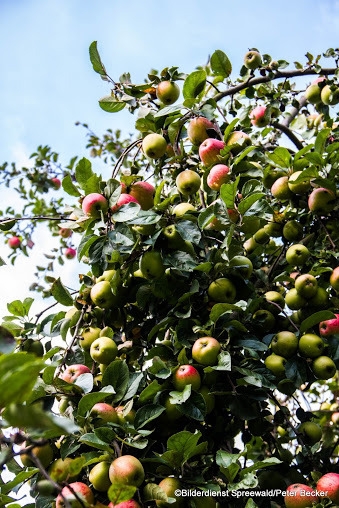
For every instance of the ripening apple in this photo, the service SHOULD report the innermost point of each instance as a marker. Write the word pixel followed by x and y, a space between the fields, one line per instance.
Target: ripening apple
pixel 260 117
pixel 65 232
pixel 104 413
pixel 103 350
pixel 252 60
pixel 14 242
pixel 131 503
pixel 285 344
pixel 328 486
pixel 306 285
pixel 321 201
pixel 124 199
pixel 242 265
pixel 330 95
pixel 186 375
pixel 205 350
pixel 60 470
pixel 334 279
pixel 198 128
pixel 151 265
pixel 311 345
pixel 84 497
pixel 222 290
pixel 93 204
pixel 218 175
pixel 56 183
pixel 99 477
pixel 102 296
pixel 88 336
pixel 127 469
pixel 324 367
pixel 143 192
pixel 44 453
pixel 294 300
pixel 238 140
pixel 209 151
pixel 168 92
pixel 154 145
pixel 72 372
pixel 329 327
pixel 293 231
pixel 171 486
pixel 280 189
pixel 70 253
pixel 276 364
pixel 311 432
pixel 299 495
pixel 188 182
pixel 298 183
pixel 297 254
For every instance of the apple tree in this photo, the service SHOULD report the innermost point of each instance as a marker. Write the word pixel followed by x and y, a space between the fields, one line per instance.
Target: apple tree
pixel 193 362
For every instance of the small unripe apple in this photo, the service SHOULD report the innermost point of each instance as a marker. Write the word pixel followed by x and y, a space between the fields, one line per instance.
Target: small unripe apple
pixel 311 432
pixel 93 204
pixel 88 336
pixel 168 92
pixel 183 208
pixel 252 60
pixel 218 175
pixel 154 146
pixel 188 182
pixel 293 231
pixel 209 151
pixel 242 265
pixel 198 128
pixel 14 242
pixel 44 453
pixel 313 93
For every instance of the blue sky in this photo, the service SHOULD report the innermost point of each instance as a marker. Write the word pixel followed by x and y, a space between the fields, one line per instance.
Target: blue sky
pixel 47 82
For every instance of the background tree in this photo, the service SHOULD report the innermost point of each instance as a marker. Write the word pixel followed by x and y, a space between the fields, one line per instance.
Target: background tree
pixel 198 353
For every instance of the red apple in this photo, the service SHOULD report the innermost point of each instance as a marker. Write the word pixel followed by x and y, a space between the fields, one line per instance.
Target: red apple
pixel 104 412
pixel 131 503
pixel 143 192
pixel 218 175
pixel 259 116
pixel 72 372
pixel 70 253
pixel 205 350
pixel 124 199
pixel 329 327
pixel 321 201
pixel 197 130
pixel 186 375
pixel 93 204
pixel 299 495
pixel 328 486
pixel 209 151
pixel 14 242
pixel 127 469
pixel 84 497
pixel 56 183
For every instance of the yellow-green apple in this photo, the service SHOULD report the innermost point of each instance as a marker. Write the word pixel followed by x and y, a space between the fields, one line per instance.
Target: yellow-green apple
pixel 293 231
pixel 127 469
pixel 329 327
pixel 321 201
pixel 143 192
pixel 324 367
pixel 218 175
pixel 319 300
pixel 186 375
pixel 88 335
pixel 103 350
pixel 238 140
pixel 172 488
pixel 242 265
pixel 102 296
pixel 14 242
pixel 260 116
pixel 93 204
pixel 131 503
pixel 198 130
pixel 299 495
pixel 104 413
pixel 151 264
pixel 285 344
pixel 311 345
pixel 72 372
pixel 311 432
pixel 313 93
pixel 168 92
pixel 274 302
pixel 70 253
pixel 328 486
pixel 75 495
pixel 183 208
pixel 43 453
pixel 209 151
pixel 188 182
pixel 56 183
pixel 106 275
pixel 125 415
pixel 208 397
pixel 222 290
pixel 297 254
pixel 298 183
pixel 334 278
pixel 252 59
pixel 124 199
pixel 294 300
pixel 99 477
pixel 107 331
pixel 250 245
pixel 61 469
pixel 271 175
pixel 205 350
pixel 276 364
pixel 154 146
pixel 273 228
pixel 306 285
pixel 280 189
pixel 261 236
pixel 33 346
pixel 65 232
pixel 264 319
pixel 330 95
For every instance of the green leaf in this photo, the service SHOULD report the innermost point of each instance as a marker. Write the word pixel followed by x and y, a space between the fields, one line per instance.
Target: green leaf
pixel 152 492
pixel 185 444
pixel 229 129
pixel 120 492
pixel 111 105
pixel 281 157
pixel 7 341
pixel 19 478
pixel 181 397
pixel 84 245
pixel 69 186
pixel 246 203
pixel 194 84
pixel 16 308
pixel 94 441
pixel 88 181
pixel 168 110
pixel 60 293
pixel 96 62
pixel 7 225
pixel 117 375
pixel 220 64
pixel 135 379
pixel 316 318
pixel 146 414
pixel 149 392
pixel 228 192
pixel 321 139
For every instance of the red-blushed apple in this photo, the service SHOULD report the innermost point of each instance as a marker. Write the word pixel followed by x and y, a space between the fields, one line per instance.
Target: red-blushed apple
pixel 205 350
pixel 172 487
pixel 329 327
pixel 188 182
pixel 238 140
pixel 93 204
pixel 65 232
pixel 334 279
pixel 99 477
pixel 260 117
pixel 209 151
pixel 131 503
pixel 299 495
pixel 104 412
pixel 14 242
pixel 56 183
pixel 143 192
pixel 72 372
pixel 154 146
pixel 70 253
pixel 321 201
pixel 77 494
pixel 222 290
pixel 328 486
pixel 218 175
pixel 186 375
pixel 252 59
pixel 198 128
pixel 168 92
pixel 280 189
pixel 124 199
pixel 127 469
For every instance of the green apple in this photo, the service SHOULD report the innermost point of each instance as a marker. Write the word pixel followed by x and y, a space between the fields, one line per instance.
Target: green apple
pixel 306 285
pixel 154 146
pixel 250 245
pixel 61 470
pixel 313 93
pixel 33 346
pixel 151 265
pixel 330 95
pixel 186 375
pixel 168 92
pixel 103 350
pixel 183 208
pixel 293 231
pixel 208 397
pixel 127 469
pixel 319 300
pixel 334 279
pixel 261 237
pixel 285 344
pixel 205 350
pixel 222 290
pixel 294 300
pixel 311 345
pixel 280 189
pixel 107 331
pixel 273 228
pixel 172 413
pixel 297 254
pixel 88 336
pixel 99 477
pixel 188 182
pixel 298 183
pixel 44 453
pixel 324 367
pixel 264 319
pixel 276 364
pixel 242 265
pixel 171 486
pixel 252 59
pixel 311 432
pixel 107 275
pixel 274 302
pixel 102 296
